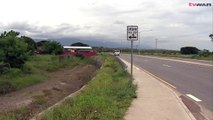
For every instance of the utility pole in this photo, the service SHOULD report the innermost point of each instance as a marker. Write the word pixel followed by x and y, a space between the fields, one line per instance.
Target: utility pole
pixel 156 44
pixel 121 46
pixel 132 58
pixel 211 35
pixel 139 36
pixel 139 40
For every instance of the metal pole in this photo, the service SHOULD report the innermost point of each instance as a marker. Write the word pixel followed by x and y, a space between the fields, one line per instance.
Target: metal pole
pixel 131 58
pixel 212 20
pixel 121 45
pixel 139 44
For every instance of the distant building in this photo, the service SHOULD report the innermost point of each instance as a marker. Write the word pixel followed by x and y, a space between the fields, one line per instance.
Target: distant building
pixel 85 51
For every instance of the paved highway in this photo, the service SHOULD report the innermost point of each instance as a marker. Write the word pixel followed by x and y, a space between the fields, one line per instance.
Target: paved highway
pixel 189 77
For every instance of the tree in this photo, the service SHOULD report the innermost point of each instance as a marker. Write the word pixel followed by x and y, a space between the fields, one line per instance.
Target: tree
pixel 79 44
pixel 1 52
pixel 204 53
pixel 12 49
pixel 41 43
pixel 39 46
pixel 10 33
pixel 189 50
pixel 31 44
pixel 52 47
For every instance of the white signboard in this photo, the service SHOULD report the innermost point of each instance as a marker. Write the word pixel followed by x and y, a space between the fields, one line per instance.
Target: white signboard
pixel 132 33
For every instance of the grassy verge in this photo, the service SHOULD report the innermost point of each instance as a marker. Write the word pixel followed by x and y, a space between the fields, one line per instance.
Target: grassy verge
pixel 34 71
pixel 209 58
pixel 106 97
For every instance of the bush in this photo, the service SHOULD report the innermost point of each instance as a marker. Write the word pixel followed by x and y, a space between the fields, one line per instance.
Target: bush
pixel 12 72
pixel 13 50
pixel 28 68
pixel 31 44
pixel 52 47
pixel 78 54
pixel 204 53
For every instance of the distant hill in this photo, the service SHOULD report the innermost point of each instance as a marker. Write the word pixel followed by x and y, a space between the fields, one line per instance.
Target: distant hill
pixel 95 43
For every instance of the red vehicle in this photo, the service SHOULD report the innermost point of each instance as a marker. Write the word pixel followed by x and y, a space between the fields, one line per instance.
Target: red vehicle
pixel 85 51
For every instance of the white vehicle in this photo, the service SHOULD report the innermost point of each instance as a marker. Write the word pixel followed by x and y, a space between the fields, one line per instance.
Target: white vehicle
pixel 116 52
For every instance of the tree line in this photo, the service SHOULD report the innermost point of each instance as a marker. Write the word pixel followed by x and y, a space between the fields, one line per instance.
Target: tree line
pixel 15 50
pixel 194 50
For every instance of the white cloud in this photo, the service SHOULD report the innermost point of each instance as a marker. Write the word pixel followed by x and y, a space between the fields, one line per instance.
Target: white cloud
pixel 169 20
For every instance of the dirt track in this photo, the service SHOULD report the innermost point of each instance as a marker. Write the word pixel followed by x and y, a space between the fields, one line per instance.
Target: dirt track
pixel 59 85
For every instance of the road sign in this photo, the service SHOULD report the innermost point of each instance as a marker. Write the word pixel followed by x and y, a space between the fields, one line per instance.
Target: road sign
pixel 132 33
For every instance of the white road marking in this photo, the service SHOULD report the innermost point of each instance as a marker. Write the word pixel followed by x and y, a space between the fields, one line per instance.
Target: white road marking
pixel 194 98
pixel 166 65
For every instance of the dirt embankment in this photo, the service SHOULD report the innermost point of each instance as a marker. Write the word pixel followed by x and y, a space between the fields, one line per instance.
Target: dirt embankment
pixel 38 97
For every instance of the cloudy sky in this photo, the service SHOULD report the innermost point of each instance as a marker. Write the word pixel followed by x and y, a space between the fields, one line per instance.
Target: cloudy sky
pixel 172 22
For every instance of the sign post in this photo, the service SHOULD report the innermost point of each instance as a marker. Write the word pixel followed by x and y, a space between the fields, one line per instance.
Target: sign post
pixel 132 35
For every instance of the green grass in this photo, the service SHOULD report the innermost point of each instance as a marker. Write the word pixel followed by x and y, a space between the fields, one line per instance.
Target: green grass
pixel 107 96
pixel 7 117
pixel 191 56
pixel 35 71
pixel 39 100
pixel 19 114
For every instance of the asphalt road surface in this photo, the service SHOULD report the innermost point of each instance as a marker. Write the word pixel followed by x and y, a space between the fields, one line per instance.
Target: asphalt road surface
pixel 192 78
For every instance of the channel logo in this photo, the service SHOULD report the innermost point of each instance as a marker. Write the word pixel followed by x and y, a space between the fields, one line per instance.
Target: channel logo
pixel 200 4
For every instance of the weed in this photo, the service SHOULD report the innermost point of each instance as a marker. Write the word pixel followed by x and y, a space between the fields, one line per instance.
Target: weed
pixel 47 92
pixel 8 117
pixel 39 100
pixel 21 114
pixel 106 97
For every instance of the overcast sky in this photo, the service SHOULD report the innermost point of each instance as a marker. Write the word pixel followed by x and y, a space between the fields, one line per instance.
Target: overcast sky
pixel 173 22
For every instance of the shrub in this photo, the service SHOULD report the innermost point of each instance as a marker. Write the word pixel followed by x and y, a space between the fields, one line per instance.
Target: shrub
pixel 28 68
pixel 52 47
pixel 39 100
pixel 204 53
pixel 13 50
pixel 31 44
pixel 12 72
